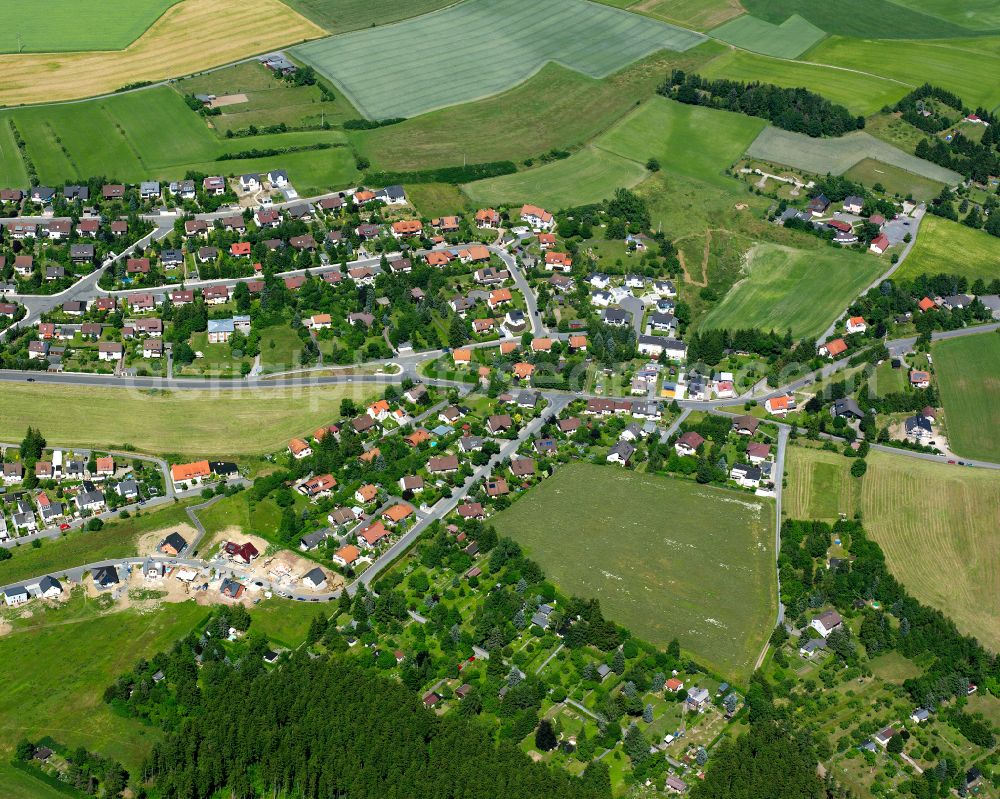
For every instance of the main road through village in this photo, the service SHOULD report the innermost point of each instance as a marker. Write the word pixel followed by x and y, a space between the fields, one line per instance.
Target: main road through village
pixel 403 365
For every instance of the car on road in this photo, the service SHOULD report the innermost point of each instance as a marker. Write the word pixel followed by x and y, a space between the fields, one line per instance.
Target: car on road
pixel 31 380
pixel 64 526
pixel 951 462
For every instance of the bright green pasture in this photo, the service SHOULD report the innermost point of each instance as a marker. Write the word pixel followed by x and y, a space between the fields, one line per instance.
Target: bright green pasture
pixel 68 25
pixel 786 288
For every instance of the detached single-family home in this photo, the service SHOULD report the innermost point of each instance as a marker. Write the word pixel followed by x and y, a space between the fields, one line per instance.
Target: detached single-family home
pixel 879 244
pixel 537 218
pixel 688 443
pixel 621 453
pixel 856 324
pixel 832 349
pixel 826 623
pixel 779 406
pixel 314 579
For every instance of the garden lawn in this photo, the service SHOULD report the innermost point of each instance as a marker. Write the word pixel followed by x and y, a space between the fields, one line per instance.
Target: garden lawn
pixel 788 40
pixel 958 66
pixel 184 40
pixel 666 558
pixel 931 519
pixel 187 423
pixel 54 678
pixel 56 26
pixel 803 290
pixel 837 155
pixel 862 94
pixel 588 176
pixel 541 114
pixel 436 62
pixel 117 539
pixel 949 247
pixel 968 373
pixel 894 180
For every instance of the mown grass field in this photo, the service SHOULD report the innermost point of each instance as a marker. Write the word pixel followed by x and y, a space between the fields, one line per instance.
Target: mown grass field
pixel 587 176
pixel 951 248
pixel 72 25
pixel 981 15
pixel 526 121
pixel 11 164
pixel 116 539
pixel 189 37
pixel 340 16
pixel 790 39
pixel 436 62
pixel 666 558
pixel 836 156
pixel 800 289
pixel 862 94
pixel 959 66
pixel 881 19
pixel 930 520
pixel 20 785
pixel 968 373
pixel 153 134
pixel 868 171
pixel 180 422
pixel 54 676
pixel 672 133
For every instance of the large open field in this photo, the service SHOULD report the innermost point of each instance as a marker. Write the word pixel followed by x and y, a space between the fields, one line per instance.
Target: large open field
pixel 58 25
pixel 948 247
pixel 836 156
pixel 435 61
pixel 588 176
pixel 153 134
pixel 959 66
pixel 980 15
pixel 54 676
pixel 788 40
pixel 666 558
pixel 968 372
pixel 786 288
pixel 526 121
pixel 930 519
pixel 871 19
pixel 862 94
pixel 190 36
pixel 340 16
pixel 177 422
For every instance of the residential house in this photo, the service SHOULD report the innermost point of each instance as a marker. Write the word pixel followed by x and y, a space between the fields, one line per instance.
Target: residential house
pixel 779 406
pixel 688 443
pixel 537 218
pixel 826 623
pixel 856 324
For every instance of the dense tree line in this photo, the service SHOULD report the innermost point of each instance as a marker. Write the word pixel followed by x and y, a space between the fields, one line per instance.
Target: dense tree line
pixel 916 109
pixel 798 110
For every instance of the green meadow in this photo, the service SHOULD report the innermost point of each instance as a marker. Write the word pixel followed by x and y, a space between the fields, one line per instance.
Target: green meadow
pixel 952 248
pixel 71 25
pixel 798 289
pixel 968 373
pixel 153 134
pixel 666 558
